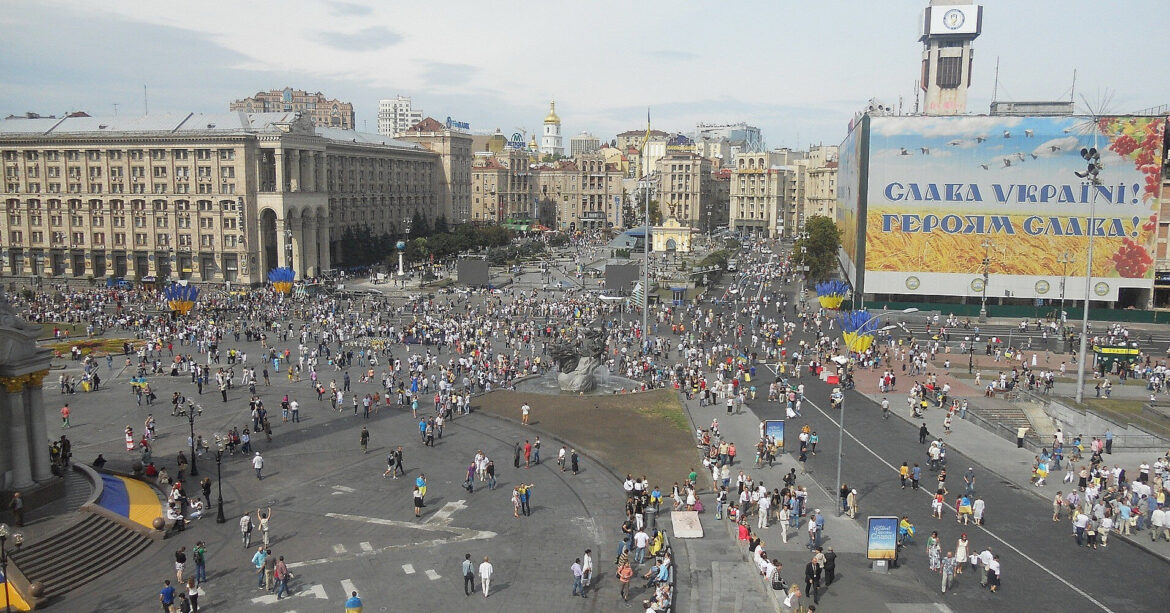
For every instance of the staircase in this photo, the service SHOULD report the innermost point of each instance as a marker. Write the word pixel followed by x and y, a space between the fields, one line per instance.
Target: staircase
pixel 69 559
pixel 1005 414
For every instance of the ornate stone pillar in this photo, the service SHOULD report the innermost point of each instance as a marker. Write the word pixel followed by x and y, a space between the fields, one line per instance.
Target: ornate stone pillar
pixel 309 237
pixel 311 174
pixel 323 257
pixel 298 263
pixel 295 165
pixel 282 244
pixel 278 155
pixel 19 431
pixel 38 430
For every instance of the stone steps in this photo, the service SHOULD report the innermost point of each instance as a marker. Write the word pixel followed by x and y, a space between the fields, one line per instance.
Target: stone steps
pixel 83 552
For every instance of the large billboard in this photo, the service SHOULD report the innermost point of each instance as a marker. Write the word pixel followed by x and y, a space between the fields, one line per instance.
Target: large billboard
pixel 943 193
pixel 850 200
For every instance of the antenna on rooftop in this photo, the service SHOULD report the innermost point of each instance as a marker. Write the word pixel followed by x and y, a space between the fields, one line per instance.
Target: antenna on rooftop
pixel 995 88
pixel 145 101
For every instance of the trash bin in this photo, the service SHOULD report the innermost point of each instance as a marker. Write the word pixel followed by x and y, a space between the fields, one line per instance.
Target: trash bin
pixel 650 517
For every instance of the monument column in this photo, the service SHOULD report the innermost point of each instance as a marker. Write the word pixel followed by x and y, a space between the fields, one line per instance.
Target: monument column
pixel 295 165
pixel 309 238
pixel 18 427
pixel 278 155
pixel 298 263
pixel 323 256
pixel 38 430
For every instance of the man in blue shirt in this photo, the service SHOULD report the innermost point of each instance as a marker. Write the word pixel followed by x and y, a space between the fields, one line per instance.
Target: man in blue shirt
pixel 167 596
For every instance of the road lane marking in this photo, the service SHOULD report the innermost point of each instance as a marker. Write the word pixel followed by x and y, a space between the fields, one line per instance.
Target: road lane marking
pixel 444 514
pixel 432 575
pixel 366 546
pixel 315 590
pixel 339 549
pixel 993 535
pixel 408 569
pixel 347 587
pixel 457 534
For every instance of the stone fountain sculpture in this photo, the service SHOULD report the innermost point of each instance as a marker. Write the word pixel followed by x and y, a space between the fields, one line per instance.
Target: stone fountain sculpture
pixel 577 362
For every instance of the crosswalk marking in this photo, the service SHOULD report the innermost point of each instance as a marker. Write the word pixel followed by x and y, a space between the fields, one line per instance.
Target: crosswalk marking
pixel 408 569
pixel 347 587
pixel 339 549
pixel 366 546
pixel 315 590
pixel 432 575
pixel 344 489
pixel 444 514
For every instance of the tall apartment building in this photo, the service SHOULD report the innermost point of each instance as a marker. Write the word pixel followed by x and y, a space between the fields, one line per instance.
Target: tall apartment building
pixel 759 183
pixel 586 190
pixel 397 115
pixel 584 143
pixel 322 111
pixel 817 185
pixel 502 186
pixel 454 150
pixel 209 198
pixel 685 187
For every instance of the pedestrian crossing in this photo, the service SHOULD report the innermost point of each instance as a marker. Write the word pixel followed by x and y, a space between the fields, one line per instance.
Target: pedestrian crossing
pixel 317 591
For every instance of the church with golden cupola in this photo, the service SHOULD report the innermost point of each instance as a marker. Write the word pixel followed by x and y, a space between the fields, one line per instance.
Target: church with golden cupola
pixel 550 138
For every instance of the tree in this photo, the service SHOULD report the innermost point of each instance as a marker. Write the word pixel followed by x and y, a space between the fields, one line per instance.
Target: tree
pixel 441 225
pixel 819 247
pixel 419 225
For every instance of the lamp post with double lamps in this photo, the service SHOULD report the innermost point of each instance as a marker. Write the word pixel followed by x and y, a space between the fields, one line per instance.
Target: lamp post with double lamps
pixel 1090 176
pixel 191 422
pixel 219 517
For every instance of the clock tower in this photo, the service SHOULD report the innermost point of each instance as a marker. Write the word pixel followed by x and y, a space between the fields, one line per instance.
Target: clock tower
pixel 948 28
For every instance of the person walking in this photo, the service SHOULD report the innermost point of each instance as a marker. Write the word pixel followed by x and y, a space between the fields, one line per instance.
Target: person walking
pixel 353 604
pixel 418 501
pixel 586 570
pixel 258 464
pixel 263 519
pixel 180 565
pixel 280 573
pixel 192 595
pixel 577 578
pixel 948 570
pixel 485 576
pixel 812 580
pixel 246 530
pixel 524 411
pixel 468 575
pixel 65 411
pixel 167 596
pixel 199 553
pixel 365 438
pixel 258 562
pixel 624 574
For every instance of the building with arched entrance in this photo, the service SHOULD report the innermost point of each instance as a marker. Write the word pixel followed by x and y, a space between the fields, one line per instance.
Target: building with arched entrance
pixel 207 198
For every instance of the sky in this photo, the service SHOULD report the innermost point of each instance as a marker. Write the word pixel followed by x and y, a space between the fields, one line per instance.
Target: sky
pixel 799 70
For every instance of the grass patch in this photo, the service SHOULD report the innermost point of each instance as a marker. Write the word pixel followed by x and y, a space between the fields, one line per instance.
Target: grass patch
pixel 72 329
pixel 95 345
pixel 667 409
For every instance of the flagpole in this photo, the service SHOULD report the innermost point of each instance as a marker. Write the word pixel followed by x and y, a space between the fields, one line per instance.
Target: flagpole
pixel 646 242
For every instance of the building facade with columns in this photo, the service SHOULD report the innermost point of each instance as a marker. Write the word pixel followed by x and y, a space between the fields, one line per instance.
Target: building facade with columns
pixel 759 183
pixel 208 198
pixel 24 437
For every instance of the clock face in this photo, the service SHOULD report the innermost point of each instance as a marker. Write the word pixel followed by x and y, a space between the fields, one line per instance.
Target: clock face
pixel 953 19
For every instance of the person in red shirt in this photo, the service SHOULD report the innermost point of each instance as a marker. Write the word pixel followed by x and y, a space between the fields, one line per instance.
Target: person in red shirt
pixel 65 411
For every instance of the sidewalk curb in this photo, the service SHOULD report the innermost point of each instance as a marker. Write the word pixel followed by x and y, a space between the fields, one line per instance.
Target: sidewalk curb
pixel 1135 542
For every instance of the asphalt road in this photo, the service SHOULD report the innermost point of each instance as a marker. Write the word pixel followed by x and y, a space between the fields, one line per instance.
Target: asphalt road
pixel 1043 569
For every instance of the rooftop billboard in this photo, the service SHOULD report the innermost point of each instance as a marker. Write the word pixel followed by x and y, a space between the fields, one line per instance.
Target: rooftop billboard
pixel 939 194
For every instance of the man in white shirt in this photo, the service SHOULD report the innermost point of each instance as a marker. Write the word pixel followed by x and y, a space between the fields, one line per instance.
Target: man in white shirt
pixel 764 505
pixel 641 540
pixel 1158 524
pixel 258 464
pixel 485 575
pixel 985 560
pixel 586 570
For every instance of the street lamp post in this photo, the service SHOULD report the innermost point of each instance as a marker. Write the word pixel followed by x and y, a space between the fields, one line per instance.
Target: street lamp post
pixel 219 518
pixel 288 246
pixel 1091 176
pixel 4 565
pixel 191 422
pixel 986 267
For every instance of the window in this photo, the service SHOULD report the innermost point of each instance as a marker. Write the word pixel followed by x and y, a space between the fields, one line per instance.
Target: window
pixel 98 221
pixel 206 240
pixel 54 172
pixel 159 172
pixel 73 156
pixel 206 223
pixel 182 172
pixel 12 188
pixel 228 172
pixel 227 154
pixel 158 154
pixel 950 72
pixel 159 188
pixel 184 222
pixel 205 205
pixel 119 239
pixel 229 241
pixel 117 188
pixel 227 188
pixel 99 238
pixel 140 239
pixel 136 154
pixel 162 239
pixel 37 237
pixel 203 171
pixel 114 154
pixel 16 236
pixel 76 220
pixel 78 239
pixel 180 154
pixel 35 188
pixel 95 188
pixel 203 154
pixel 161 221
pixel 139 221
pixel 118 221
pixel 203 188
pixel 138 188
pixel 93 155
pixel 31 156
pixel 138 171
pixel 229 223
pixel 74 172
pixel 14 219
pixel 182 188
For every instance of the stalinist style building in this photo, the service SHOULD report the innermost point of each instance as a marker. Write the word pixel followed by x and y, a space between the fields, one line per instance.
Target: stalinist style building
pixel 209 198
